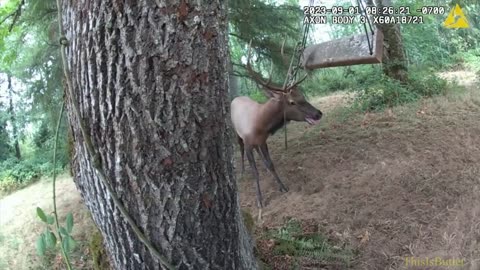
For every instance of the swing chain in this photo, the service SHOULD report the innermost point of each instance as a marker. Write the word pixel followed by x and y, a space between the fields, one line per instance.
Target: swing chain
pixel 299 51
pixel 293 70
pixel 363 11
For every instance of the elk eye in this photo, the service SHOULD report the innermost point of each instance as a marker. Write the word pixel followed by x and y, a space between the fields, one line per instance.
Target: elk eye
pixel 291 102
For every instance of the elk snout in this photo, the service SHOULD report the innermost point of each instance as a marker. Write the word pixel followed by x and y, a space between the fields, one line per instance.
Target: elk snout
pixel 314 118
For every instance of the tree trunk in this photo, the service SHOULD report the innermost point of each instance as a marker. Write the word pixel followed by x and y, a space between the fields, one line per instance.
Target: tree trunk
pixel 395 59
pixel 151 81
pixel 232 84
pixel 11 110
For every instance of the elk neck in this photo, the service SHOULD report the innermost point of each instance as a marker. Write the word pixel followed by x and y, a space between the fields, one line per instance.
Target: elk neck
pixel 272 115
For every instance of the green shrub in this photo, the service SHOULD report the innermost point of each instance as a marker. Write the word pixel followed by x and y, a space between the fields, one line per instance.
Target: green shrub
pixel 427 85
pixel 9 184
pixel 472 60
pixel 387 92
pixel 15 174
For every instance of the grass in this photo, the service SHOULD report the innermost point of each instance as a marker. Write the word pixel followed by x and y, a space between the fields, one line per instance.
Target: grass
pixel 20 227
pixel 293 244
pixel 372 171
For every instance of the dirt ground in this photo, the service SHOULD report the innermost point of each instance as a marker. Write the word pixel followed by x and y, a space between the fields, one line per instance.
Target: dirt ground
pixel 394 185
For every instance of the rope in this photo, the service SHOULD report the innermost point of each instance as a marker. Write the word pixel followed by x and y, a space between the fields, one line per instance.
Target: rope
pixel 94 156
pixel 364 11
pixel 301 46
pixel 57 225
pixel 368 18
pixel 292 72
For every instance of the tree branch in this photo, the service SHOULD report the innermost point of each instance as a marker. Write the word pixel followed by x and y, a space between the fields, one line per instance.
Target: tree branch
pixel 6 17
pixel 16 14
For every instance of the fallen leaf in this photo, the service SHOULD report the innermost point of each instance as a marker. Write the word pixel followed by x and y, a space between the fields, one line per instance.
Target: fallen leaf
pixel 365 237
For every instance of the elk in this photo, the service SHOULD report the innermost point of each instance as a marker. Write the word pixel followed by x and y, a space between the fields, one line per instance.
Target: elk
pixel 254 122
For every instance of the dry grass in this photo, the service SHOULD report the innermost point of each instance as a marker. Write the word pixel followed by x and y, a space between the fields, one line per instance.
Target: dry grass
pixel 406 179
pixel 19 225
pixel 404 182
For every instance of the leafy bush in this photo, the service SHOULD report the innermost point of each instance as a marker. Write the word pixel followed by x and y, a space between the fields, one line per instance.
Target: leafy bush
pixel 472 60
pixel 36 161
pixel 427 84
pixel 47 240
pixel 340 78
pixel 387 92
pixel 8 184
pixel 15 174
pixel 384 93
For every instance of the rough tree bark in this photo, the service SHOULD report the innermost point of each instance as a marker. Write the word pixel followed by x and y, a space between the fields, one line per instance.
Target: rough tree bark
pixel 394 60
pixel 232 83
pixel 152 82
pixel 13 119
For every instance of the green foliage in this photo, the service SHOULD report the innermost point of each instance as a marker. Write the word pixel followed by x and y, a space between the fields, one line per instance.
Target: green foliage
pixel 47 240
pixel 291 240
pixel 15 174
pixel 471 59
pixel 41 245
pixel 257 20
pixel 248 21
pixel 42 135
pixel 41 214
pixel 5 149
pixel 428 46
pixel 330 80
pixel 386 92
pixel 29 55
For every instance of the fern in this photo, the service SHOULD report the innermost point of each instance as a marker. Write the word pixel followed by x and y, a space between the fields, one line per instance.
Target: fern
pixel 290 240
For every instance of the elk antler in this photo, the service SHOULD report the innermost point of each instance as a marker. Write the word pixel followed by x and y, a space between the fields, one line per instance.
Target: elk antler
pixel 294 84
pixel 258 78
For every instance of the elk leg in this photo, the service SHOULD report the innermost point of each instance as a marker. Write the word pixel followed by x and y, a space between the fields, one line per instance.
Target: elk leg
pixel 269 164
pixel 242 152
pixel 251 160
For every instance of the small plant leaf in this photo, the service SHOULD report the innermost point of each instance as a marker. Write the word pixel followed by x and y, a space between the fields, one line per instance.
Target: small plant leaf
pixel 50 220
pixel 41 214
pixel 68 243
pixel 69 222
pixel 63 231
pixel 51 239
pixel 40 245
pixel 72 242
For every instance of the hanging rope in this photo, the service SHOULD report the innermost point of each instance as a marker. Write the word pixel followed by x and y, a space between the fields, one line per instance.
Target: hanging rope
pixel 293 70
pixel 363 11
pixel 301 47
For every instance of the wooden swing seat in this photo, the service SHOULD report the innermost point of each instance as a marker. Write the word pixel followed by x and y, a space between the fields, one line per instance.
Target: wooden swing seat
pixel 347 51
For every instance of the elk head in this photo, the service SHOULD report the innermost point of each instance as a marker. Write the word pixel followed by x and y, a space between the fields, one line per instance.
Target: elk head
pixel 295 106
